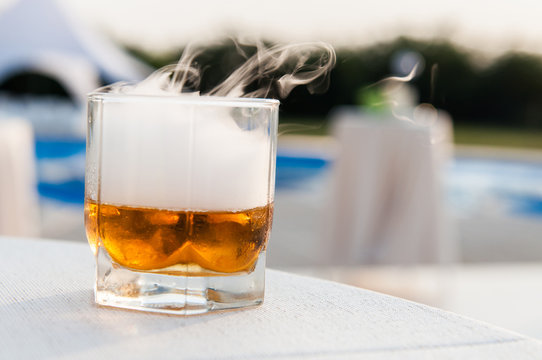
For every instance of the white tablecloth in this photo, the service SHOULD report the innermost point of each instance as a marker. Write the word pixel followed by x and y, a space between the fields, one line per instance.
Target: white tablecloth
pixel 46 310
pixel 386 204
pixel 19 214
pixel 503 294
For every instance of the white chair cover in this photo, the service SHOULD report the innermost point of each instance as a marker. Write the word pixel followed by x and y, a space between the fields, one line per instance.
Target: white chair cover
pixel 19 211
pixel 386 204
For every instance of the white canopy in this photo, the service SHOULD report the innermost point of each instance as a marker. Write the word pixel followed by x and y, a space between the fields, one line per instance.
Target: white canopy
pixel 38 36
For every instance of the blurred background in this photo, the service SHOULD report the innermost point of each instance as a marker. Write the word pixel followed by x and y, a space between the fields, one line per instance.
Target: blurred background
pixel 417 173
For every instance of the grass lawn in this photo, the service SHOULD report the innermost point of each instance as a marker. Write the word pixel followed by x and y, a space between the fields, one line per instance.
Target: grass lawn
pixel 303 126
pixel 463 135
pixel 503 137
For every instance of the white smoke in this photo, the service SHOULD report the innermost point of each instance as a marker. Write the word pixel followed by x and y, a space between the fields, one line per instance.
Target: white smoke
pixel 191 152
pixel 275 70
pixel 267 62
pixel 184 155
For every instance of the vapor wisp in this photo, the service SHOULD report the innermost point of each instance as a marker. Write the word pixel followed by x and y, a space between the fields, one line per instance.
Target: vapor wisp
pixel 271 72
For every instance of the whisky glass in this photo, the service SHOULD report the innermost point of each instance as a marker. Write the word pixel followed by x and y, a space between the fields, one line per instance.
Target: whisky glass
pixel 179 194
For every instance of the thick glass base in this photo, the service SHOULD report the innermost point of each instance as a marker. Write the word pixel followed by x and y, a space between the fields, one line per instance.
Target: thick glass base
pixel 176 294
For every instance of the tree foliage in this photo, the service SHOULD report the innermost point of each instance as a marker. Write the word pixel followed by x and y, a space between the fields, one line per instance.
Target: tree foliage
pixel 506 92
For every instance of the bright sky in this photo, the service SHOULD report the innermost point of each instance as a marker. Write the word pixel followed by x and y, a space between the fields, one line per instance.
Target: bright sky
pixel 164 24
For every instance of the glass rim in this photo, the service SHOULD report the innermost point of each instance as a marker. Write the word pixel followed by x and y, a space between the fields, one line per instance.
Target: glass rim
pixel 184 99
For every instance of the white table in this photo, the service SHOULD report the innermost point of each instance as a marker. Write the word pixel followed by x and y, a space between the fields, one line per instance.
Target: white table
pixel 508 295
pixel 46 310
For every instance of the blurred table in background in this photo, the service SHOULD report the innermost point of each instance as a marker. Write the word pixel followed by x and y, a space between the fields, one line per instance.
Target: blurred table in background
pixel 386 202
pixel 18 196
pixel 47 310
pixel 503 294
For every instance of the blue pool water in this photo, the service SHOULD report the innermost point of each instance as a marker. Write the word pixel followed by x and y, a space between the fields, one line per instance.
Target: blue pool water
pixel 293 172
pixel 492 185
pixel 473 184
pixel 58 148
pixel 61 173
